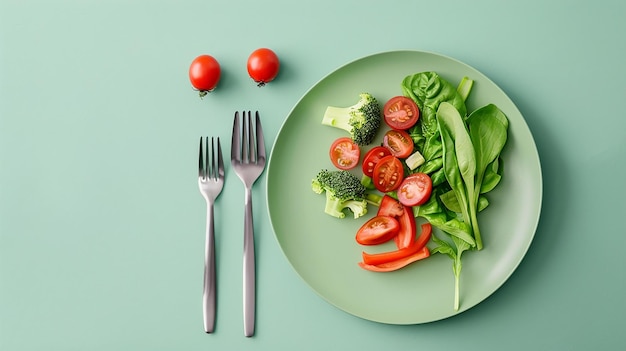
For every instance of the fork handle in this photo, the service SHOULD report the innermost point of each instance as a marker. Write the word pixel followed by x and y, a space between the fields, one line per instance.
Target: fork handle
pixel 208 294
pixel 249 269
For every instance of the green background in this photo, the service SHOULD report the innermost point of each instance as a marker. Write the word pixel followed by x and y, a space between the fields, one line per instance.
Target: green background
pixel 102 224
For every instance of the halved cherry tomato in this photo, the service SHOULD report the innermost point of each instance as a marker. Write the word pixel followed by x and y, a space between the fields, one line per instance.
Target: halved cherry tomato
pixel 388 174
pixel 377 230
pixel 372 157
pixel 385 257
pixel 398 142
pixel 401 112
pixel 406 234
pixel 415 189
pixel 397 264
pixel 344 153
pixel 390 207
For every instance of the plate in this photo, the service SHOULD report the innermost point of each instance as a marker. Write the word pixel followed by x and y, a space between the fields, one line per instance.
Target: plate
pixel 322 249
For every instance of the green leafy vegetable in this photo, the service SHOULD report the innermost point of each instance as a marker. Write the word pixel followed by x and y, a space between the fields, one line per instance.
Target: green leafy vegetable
pixel 429 90
pixel 462 156
pixel 471 152
pixel 488 133
pixel 459 159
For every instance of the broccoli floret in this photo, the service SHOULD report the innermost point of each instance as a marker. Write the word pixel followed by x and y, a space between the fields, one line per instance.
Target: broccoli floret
pixel 343 190
pixel 362 120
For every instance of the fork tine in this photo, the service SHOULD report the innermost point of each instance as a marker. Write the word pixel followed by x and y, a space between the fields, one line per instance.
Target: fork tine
pixel 245 142
pixel 200 162
pixel 211 170
pixel 207 155
pixel 251 140
pixel 235 147
pixel 260 142
pixel 220 160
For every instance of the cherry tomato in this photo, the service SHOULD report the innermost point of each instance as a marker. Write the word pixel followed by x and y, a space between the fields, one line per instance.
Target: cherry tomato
pixel 263 66
pixel 415 189
pixel 398 142
pixel 345 153
pixel 388 174
pixel 377 230
pixel 390 207
pixel 372 157
pixel 204 73
pixel 401 112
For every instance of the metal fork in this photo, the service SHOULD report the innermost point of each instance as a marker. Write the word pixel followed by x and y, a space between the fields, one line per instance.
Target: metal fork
pixel 248 161
pixel 211 182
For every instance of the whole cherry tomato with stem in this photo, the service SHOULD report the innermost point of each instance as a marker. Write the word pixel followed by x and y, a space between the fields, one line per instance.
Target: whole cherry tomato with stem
pixel 204 74
pixel 263 66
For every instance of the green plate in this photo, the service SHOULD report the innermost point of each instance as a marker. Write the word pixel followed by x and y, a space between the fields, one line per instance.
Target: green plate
pixel 323 250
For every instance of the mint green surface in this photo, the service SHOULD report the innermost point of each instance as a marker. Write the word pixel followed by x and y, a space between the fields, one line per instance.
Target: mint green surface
pixel 323 249
pixel 102 223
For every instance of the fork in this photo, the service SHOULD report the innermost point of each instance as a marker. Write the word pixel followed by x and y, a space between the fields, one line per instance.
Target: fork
pixel 210 182
pixel 248 161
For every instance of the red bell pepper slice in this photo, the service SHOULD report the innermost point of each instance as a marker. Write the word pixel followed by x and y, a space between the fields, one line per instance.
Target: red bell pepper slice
pixel 407 232
pixel 415 246
pixel 397 264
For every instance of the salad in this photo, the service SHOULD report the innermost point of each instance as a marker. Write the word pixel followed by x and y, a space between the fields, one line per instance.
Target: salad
pixel 437 162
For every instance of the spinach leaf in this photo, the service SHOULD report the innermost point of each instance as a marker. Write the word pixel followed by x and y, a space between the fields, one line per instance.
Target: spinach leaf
pixel 492 176
pixel 488 133
pixel 437 214
pixel 450 201
pixel 459 160
pixel 429 90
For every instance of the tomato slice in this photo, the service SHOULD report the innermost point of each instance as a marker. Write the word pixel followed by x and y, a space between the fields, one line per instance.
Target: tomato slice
pixel 415 189
pixel 344 153
pixel 399 142
pixel 388 174
pixel 386 257
pixel 401 112
pixel 377 230
pixel 390 207
pixel 397 264
pixel 372 157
